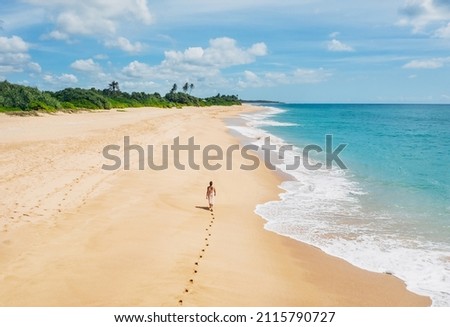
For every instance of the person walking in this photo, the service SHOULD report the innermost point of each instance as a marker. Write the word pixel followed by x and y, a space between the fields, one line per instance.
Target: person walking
pixel 210 194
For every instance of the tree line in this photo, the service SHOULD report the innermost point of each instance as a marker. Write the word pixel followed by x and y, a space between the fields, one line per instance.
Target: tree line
pixel 15 97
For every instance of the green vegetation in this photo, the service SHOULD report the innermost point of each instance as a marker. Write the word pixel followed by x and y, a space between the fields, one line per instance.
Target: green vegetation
pixel 14 97
pixel 24 98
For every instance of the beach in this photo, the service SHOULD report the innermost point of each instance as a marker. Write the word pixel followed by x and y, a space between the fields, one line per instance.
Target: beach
pixel 74 234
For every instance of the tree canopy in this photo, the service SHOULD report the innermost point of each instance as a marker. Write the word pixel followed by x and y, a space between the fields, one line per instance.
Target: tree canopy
pixel 14 97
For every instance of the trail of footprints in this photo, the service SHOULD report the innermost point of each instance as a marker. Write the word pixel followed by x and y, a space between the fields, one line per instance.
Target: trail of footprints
pixel 195 269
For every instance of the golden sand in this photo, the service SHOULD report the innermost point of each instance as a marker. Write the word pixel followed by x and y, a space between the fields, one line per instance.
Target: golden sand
pixel 72 234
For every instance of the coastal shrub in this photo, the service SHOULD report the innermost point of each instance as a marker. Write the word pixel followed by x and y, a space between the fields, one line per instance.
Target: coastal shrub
pixel 182 98
pixel 25 98
pixel 220 100
pixel 82 98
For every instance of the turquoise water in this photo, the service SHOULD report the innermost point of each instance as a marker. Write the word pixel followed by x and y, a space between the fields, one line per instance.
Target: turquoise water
pixel 389 211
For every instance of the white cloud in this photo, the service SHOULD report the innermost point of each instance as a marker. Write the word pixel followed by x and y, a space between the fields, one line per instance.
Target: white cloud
pixel 12 44
pixel 14 57
pixel 65 79
pixel 251 76
pixel 57 35
pixel 420 14
pixel 222 52
pixel 198 62
pixel 88 66
pixel 258 49
pixel 98 18
pixel 204 65
pixel 34 67
pixel 443 32
pixel 125 45
pixel 201 65
pixel 433 63
pixel 338 46
pixel 251 79
pixel 139 70
pixel 85 24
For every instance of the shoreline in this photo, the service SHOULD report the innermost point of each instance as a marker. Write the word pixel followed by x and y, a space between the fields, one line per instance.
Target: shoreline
pixel 85 237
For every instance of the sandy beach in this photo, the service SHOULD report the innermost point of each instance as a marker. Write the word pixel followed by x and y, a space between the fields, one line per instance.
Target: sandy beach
pixel 74 234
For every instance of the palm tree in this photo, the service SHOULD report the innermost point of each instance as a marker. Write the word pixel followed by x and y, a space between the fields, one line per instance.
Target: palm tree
pixel 174 88
pixel 114 86
pixel 191 87
pixel 186 87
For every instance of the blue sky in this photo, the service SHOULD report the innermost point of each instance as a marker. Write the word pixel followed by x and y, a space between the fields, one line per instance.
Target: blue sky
pixel 292 50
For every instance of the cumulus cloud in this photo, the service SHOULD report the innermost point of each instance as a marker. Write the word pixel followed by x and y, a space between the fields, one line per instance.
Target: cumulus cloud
pixel 433 63
pixel 139 70
pixel 125 45
pixel 200 65
pixel 338 46
pixel 86 65
pixel 14 57
pixel 12 44
pixel 197 61
pixel 422 14
pixel 65 79
pixel 92 17
pixel 258 49
pixel 222 52
pixel 205 65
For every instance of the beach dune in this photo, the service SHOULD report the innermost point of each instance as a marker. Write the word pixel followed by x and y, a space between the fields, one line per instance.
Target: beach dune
pixel 74 234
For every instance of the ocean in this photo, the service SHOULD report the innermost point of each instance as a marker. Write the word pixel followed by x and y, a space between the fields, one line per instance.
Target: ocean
pixel 388 211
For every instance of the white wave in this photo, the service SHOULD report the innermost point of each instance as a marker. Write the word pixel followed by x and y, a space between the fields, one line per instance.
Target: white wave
pixel 345 231
pixel 271 123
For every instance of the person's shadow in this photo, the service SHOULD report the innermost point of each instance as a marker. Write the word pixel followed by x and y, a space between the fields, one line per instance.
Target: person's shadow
pixel 204 208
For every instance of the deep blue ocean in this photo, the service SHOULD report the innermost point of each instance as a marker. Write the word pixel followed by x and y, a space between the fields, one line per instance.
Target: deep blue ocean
pixel 389 211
